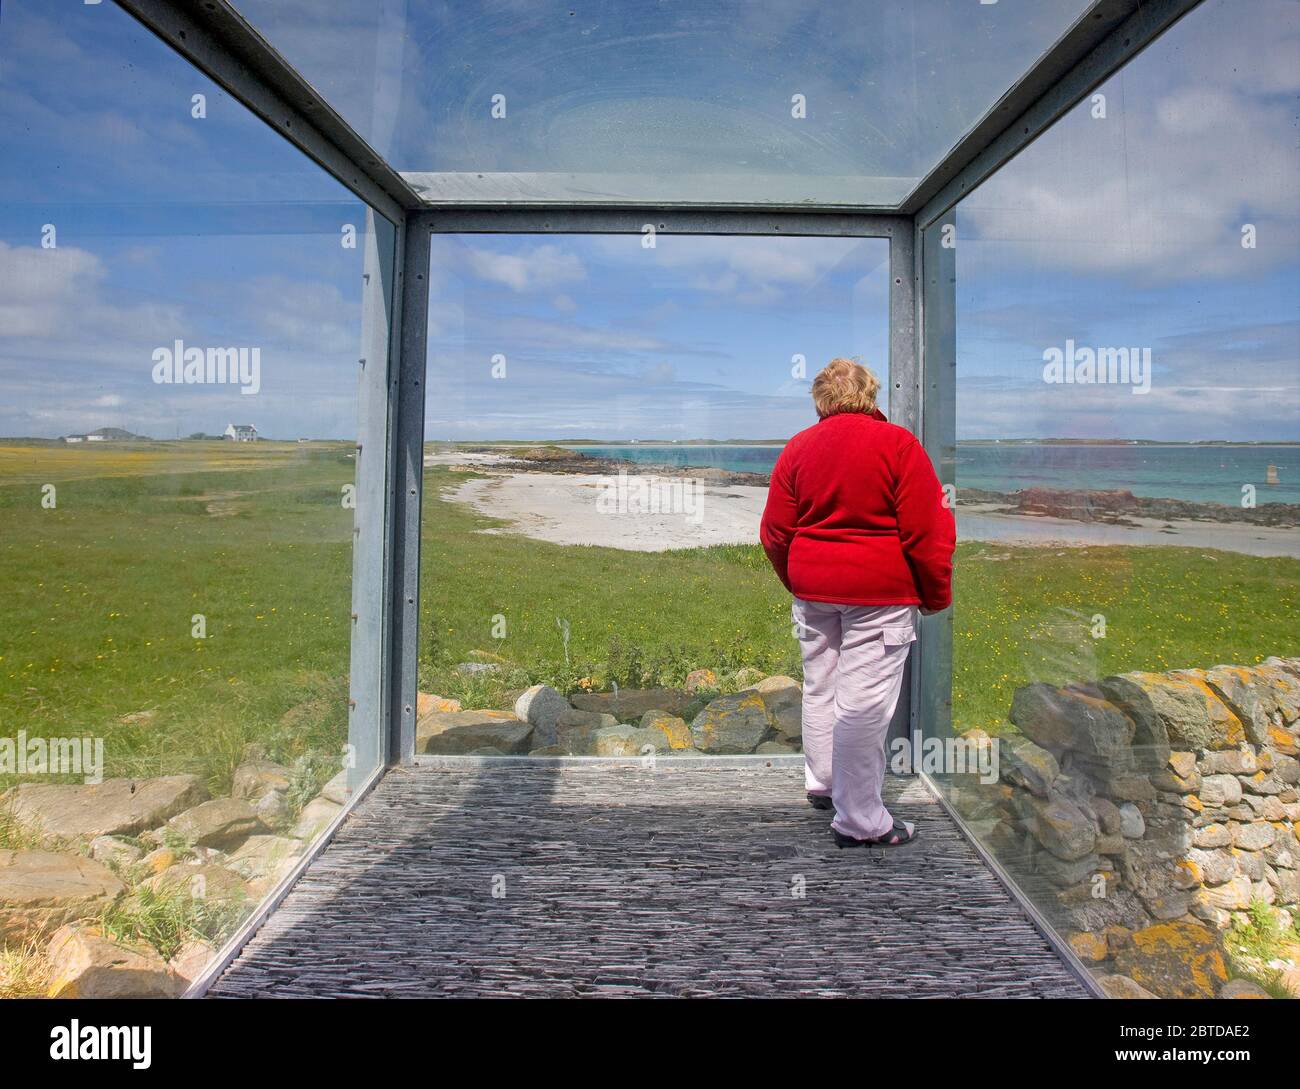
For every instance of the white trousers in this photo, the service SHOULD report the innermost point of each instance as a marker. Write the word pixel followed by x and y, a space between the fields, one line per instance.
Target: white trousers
pixel 853 658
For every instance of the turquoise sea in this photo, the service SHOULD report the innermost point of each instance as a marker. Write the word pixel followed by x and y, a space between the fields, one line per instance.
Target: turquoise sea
pixel 1196 473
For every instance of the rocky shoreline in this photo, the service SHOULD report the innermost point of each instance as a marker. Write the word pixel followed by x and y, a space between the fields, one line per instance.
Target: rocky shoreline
pixel 1120 508
pixel 1106 506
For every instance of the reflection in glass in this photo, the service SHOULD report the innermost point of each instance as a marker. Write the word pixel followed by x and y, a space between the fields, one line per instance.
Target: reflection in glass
pixel 179 486
pixel 1126 453
pixel 737 102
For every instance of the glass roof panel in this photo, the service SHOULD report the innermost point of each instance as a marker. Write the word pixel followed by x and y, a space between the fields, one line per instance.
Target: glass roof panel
pixel 770 102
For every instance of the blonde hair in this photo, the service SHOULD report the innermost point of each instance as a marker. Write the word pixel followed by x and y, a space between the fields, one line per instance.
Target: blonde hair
pixel 844 386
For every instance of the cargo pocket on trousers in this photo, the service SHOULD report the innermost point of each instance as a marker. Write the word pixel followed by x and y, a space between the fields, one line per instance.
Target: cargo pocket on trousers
pixel 898 637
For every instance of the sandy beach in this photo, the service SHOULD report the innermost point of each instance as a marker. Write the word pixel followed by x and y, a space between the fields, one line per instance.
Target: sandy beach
pixel 592 509
pixel 568 510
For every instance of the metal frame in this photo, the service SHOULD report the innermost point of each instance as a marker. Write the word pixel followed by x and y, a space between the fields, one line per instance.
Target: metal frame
pixel 1102 40
pixel 217 40
pixel 905 400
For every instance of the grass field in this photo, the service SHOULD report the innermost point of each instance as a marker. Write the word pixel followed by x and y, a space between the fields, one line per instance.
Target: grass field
pixel 99 593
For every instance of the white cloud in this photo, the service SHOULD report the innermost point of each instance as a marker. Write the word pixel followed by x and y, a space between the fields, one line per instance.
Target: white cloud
pixel 1199 140
pixel 542 268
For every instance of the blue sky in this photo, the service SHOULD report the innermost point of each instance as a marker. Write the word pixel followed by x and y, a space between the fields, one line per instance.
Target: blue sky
pixel 695 338
pixel 1121 230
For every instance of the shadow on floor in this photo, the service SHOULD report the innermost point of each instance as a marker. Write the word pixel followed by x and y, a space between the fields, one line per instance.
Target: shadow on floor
pixel 684 880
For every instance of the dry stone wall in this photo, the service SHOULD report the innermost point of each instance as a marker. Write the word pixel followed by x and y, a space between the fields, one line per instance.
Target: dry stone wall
pixel 1147 812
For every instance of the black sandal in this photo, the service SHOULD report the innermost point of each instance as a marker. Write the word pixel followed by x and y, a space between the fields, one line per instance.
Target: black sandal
pixel 820 801
pixel 898 836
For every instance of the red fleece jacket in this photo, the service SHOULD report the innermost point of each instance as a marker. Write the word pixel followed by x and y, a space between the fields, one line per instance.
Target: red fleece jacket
pixel 855 516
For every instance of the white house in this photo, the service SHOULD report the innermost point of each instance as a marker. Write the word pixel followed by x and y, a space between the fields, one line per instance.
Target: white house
pixel 240 432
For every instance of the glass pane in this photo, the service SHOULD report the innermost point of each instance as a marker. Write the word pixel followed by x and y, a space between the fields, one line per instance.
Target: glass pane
pixel 783 102
pixel 602 419
pixel 181 470
pixel 1120 305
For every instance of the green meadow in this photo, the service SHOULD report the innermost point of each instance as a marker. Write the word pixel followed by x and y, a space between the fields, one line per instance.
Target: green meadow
pixel 99 594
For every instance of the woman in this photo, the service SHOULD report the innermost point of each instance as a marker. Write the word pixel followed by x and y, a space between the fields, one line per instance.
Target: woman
pixel 857 529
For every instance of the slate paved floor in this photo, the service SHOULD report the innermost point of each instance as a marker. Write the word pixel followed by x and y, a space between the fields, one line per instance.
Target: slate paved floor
pixel 687 879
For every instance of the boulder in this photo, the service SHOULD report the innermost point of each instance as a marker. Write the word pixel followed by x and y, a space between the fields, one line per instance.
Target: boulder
pixel 460 732
pixel 112 850
pixel 1248 695
pixel 336 790
pixel 676 734
pixel 783 701
pixel 630 703
pixel 1029 765
pixel 256 779
pixel 115 807
pixel 575 732
pixel 85 964
pixel 1229 762
pixel 628 741
pixel 1243 988
pixel 221 823
pixel 1117 986
pixel 574 719
pixel 426 702
pixel 1122 785
pixel 1109 816
pixel 198 881
pixel 1062 827
pixel 1072 719
pixel 1232 895
pixel 42 890
pixel 265 856
pixel 1284 741
pixel 697 679
pixel 776 748
pixel 191 959
pixel 732 724
pixel 1088 946
pixel 315 817
pixel 1180 710
pixel 1254 836
pixel 1212 835
pixel 1220 790
pixel 159 859
pixel 1212 867
pixel 1260 783
pixel 1118 908
pixel 1176 959
pixel 1064 874
pixel 541 706
pixel 273 809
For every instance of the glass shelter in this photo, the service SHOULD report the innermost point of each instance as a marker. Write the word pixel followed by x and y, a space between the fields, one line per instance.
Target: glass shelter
pixel 398 383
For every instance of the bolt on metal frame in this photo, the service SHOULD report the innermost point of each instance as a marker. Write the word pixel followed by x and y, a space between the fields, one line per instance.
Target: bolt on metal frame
pixel 214 37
